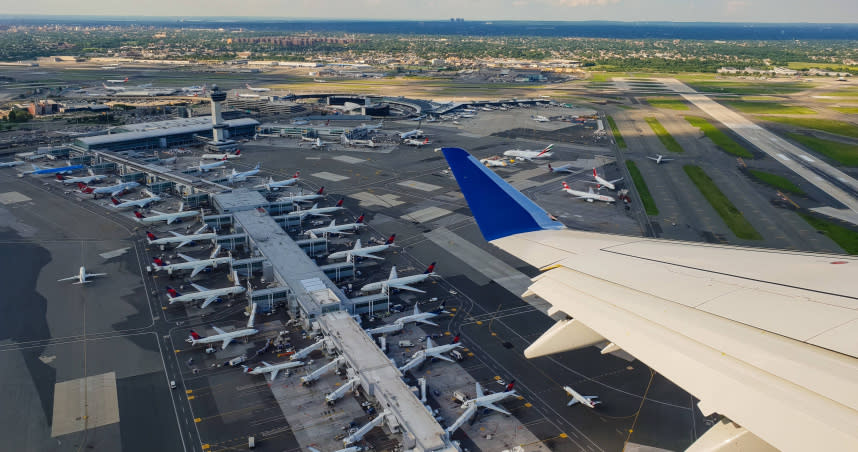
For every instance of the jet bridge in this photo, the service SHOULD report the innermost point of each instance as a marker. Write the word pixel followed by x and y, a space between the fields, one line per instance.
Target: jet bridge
pixel 338 393
pixel 314 375
pixel 307 350
pixel 358 435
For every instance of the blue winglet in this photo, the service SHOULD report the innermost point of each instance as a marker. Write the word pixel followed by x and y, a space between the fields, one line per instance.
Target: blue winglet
pixel 500 209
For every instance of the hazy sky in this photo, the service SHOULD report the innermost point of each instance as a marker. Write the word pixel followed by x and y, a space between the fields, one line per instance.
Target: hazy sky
pixel 571 10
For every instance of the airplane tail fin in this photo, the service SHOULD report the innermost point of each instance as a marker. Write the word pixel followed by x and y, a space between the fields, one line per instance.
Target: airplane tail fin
pixel 257 166
pixel 510 386
pixel 340 202
pixel 237 152
pixel 455 340
pixel 296 175
pixel 114 201
pixel 390 240
pixel 566 186
pixel 546 149
pixel 430 269
pixel 359 219
pixel 499 209
pixel 138 214
pixel 321 190
pixel 60 176
pixel 158 262
pixel 550 169
pixel 172 293
pixel 150 235
pixel 195 336
pixel 595 174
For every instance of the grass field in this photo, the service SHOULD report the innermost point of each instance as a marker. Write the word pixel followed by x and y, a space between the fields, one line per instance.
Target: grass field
pixel 726 210
pixel 775 181
pixel 721 139
pixel 846 238
pixel 643 190
pixel 759 98
pixel 618 137
pixel 844 153
pixel 769 108
pixel 842 93
pixel 748 88
pixel 667 102
pixel 827 66
pixel 847 110
pixel 826 125
pixel 666 138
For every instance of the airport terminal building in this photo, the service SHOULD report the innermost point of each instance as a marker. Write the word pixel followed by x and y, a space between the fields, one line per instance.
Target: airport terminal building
pixel 163 134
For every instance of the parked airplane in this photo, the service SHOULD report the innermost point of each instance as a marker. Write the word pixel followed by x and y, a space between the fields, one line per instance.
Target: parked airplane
pixel 316 211
pixel 138 203
pixel 11 164
pixel 416 133
pixel 417 143
pixel 224 156
pixel 195 89
pixel 85 179
pixel 600 182
pixel 247 96
pixel 37 170
pixel 588 401
pixel 440 351
pixel 488 401
pixel 182 239
pixel 493 162
pixel 333 228
pixel 395 282
pixel 203 167
pixel 358 251
pixel 561 169
pixel 112 190
pixel 421 317
pixel 170 218
pixel 659 158
pixel 242 176
pixel 81 276
pixel 318 144
pixel 588 195
pixel 302 197
pixel 722 351
pixel 274 185
pixel 125 80
pixel 540 118
pixel 114 88
pixel 208 296
pixel 195 265
pixel 257 90
pixel 226 337
pixel 272 369
pixel 527 154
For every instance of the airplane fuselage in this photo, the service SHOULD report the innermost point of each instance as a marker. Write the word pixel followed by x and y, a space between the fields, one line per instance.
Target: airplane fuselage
pixel 168 217
pixel 214 262
pixel 203 295
pixel 184 238
pixel 405 280
pixel 232 335
pixel 137 203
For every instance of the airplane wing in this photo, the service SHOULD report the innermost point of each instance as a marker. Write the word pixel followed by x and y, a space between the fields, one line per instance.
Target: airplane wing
pixel 170 220
pixel 176 234
pixel 225 343
pixel 653 158
pixel 199 288
pixel 183 243
pixel 406 287
pixel 208 301
pixel 763 337
pixel 274 374
pixel 492 406
pixel 426 321
pixel 219 331
pixel 186 257
pixel 197 270
pixel 440 356
pixel 158 213
pixel 572 402
pixel 90 275
pixel 69 278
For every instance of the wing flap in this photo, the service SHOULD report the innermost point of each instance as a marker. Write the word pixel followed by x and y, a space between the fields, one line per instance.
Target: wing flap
pixel 791 394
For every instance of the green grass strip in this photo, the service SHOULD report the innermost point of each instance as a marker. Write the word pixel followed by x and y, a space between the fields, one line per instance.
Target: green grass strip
pixel 721 139
pixel 846 129
pixel 779 182
pixel 844 153
pixel 672 104
pixel 618 137
pixel 643 190
pixel 847 110
pixel 844 237
pixel 726 210
pixel 666 139
pixel 769 108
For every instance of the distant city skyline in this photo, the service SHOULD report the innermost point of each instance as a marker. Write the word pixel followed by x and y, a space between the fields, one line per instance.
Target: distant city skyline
pixel 777 11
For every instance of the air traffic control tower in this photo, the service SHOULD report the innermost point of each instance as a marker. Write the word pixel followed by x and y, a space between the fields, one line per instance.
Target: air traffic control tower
pixel 220 142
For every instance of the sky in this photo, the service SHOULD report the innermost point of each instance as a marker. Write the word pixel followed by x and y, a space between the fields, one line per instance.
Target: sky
pixel 824 11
